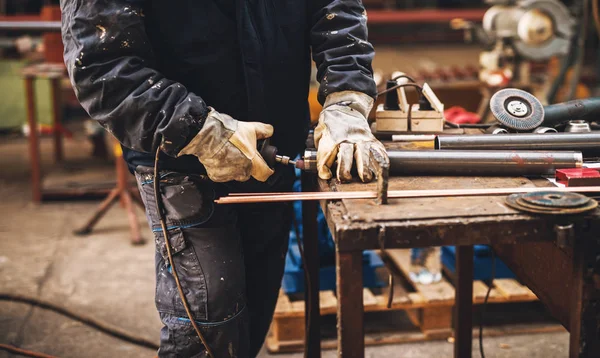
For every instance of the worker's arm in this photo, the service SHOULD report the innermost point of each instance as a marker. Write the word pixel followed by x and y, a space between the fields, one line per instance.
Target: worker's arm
pixel 112 68
pixel 340 47
pixel 343 57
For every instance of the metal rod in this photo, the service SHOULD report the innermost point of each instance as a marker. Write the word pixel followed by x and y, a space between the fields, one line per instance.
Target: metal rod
pixel 471 162
pixel 294 196
pixel 41 26
pixel 522 141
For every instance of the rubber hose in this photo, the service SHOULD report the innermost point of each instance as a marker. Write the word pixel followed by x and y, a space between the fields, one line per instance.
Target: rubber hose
pixel 87 320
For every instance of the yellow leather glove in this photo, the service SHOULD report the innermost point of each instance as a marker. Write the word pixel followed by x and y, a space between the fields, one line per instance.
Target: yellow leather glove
pixel 228 148
pixel 343 133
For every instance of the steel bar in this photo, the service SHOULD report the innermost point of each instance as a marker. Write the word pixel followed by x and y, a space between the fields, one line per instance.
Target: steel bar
pixel 40 26
pixel 522 141
pixel 463 162
pixel 392 194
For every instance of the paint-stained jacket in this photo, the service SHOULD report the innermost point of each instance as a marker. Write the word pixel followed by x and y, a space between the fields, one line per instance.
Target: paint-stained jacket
pixel 148 69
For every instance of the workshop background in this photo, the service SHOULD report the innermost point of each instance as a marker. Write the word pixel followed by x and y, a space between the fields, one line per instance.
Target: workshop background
pixel 62 245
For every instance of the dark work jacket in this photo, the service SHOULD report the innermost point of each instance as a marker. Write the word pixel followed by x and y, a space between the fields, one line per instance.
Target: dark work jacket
pixel 148 69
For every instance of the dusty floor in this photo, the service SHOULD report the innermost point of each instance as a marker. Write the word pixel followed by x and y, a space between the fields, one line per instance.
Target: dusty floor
pixel 104 276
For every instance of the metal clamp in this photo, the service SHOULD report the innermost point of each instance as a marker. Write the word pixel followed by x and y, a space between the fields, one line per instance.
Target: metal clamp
pixel 382 165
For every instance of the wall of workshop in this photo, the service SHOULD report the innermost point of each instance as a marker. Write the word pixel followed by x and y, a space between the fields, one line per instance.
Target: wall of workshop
pixel 12 97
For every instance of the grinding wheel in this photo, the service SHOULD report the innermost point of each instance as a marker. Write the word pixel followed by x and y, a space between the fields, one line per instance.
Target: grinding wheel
pixel 556 199
pixel 565 206
pixel 517 109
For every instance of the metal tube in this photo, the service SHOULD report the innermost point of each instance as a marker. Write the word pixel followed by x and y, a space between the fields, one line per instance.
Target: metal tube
pixel 463 162
pixel 524 141
pixel 40 26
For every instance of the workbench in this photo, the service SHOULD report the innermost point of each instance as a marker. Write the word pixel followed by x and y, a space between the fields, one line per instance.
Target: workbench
pixel 563 273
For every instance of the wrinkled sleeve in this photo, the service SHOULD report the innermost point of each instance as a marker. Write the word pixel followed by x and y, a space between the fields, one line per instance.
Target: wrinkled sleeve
pixel 112 69
pixel 340 47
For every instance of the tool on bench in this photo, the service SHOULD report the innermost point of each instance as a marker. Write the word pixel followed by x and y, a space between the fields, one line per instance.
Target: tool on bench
pixel 397 115
pixel 309 163
pixel 578 177
pixel 584 110
pixel 521 111
pixel 517 109
pixel 270 154
pixel 552 202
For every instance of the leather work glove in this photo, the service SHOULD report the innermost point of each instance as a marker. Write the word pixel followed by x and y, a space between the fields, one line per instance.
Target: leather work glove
pixel 343 132
pixel 228 148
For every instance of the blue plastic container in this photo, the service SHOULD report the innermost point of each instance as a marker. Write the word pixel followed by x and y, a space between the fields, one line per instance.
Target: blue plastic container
pixel 293 277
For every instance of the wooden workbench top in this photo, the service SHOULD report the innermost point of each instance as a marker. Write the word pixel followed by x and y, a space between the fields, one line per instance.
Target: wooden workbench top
pixel 415 222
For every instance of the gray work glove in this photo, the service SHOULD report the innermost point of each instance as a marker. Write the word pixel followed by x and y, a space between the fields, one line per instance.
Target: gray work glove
pixel 343 132
pixel 228 148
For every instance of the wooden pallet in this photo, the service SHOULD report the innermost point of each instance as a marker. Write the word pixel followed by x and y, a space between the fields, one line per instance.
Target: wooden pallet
pixel 429 308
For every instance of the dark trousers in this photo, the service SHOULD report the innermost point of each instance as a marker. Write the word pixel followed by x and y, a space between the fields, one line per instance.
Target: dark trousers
pixel 229 260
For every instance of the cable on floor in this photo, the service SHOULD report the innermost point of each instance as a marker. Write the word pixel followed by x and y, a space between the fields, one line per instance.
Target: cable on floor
pixel 23 352
pixel 87 320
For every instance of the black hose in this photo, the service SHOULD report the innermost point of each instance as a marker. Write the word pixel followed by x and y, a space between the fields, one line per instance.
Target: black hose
pixel 24 352
pixel 87 320
pixel 485 302
pixel 161 215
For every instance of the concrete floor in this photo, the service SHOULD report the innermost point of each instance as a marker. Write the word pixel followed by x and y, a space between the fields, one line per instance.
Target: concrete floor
pixel 104 276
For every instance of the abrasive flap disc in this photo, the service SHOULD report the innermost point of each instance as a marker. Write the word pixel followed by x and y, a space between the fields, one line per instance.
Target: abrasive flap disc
pixel 517 109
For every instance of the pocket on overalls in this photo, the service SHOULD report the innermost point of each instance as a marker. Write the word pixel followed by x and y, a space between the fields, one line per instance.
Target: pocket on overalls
pixel 190 273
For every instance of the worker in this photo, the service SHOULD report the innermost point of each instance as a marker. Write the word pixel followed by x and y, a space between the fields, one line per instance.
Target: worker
pixel 203 81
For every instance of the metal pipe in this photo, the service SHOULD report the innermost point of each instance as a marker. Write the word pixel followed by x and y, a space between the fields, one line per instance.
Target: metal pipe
pixel 585 142
pixel 41 26
pixel 463 162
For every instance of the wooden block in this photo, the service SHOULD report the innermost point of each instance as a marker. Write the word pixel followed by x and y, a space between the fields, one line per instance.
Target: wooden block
pixel 298 306
pixel 435 321
pixel 480 290
pixel 327 300
pixel 283 304
pixel 369 299
pixel 439 291
pixel 288 328
pixel 531 295
pixel 399 299
pixel 416 297
pixel 511 289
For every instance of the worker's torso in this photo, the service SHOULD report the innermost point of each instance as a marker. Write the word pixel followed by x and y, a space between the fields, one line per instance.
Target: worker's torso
pixel 247 58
